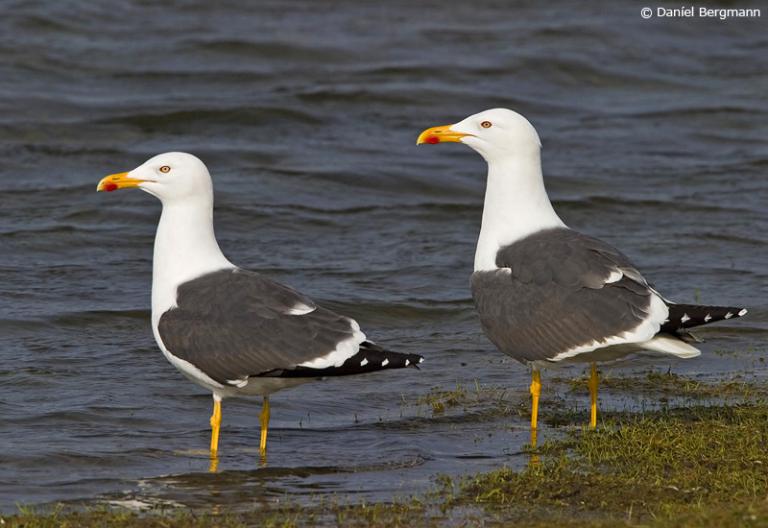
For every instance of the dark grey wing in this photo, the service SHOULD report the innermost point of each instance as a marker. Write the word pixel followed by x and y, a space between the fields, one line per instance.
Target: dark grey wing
pixel 560 293
pixel 232 324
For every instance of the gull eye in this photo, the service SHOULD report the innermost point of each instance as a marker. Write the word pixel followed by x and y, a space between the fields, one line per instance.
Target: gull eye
pixel 165 169
pixel 486 124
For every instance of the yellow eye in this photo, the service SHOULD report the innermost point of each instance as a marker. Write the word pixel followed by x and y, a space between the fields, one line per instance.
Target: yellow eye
pixel 486 124
pixel 165 168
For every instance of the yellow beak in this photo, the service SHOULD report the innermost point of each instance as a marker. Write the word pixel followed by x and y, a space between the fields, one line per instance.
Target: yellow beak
pixel 440 134
pixel 113 182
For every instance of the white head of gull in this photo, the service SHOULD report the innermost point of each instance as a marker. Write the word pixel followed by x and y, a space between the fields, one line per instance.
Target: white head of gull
pixel 516 202
pixel 547 294
pixel 232 331
pixel 185 244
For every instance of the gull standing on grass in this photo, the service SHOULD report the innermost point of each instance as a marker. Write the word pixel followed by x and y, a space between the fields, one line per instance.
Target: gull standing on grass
pixel 545 293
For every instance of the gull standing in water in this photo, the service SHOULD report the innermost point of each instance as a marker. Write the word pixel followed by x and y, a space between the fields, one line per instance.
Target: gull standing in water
pixel 232 331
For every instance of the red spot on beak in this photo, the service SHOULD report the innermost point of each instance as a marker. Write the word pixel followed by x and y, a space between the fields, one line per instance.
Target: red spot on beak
pixel 109 186
pixel 432 140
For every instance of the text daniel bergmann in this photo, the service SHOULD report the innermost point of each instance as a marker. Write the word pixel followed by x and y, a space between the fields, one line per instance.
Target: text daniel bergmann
pixel 706 12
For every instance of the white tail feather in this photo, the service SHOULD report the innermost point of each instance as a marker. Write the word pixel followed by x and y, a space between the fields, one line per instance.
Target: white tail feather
pixel 672 346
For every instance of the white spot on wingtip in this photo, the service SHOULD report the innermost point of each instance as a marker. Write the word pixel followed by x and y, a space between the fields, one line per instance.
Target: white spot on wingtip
pixel 385 363
pixel 743 312
pixel 615 276
pixel 407 362
pixel 421 360
pixel 728 315
pixel 364 362
pixel 707 318
pixel 685 318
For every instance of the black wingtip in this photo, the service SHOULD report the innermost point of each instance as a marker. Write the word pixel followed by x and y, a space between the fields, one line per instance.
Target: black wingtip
pixel 389 359
pixel 370 358
pixel 683 316
pixel 415 364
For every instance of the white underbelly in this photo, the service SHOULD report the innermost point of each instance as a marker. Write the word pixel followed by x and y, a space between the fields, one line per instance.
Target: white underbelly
pixel 256 386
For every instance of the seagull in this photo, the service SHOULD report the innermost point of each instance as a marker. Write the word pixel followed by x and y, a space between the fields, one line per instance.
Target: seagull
pixel 232 331
pixel 547 294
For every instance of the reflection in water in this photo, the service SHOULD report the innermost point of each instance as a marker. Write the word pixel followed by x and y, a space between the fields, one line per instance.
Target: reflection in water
pixel 231 487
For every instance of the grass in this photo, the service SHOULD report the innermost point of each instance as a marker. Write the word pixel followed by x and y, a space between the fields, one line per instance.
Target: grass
pixel 652 469
pixel 669 384
pixel 439 400
pixel 701 466
pixel 478 397
pixel 395 515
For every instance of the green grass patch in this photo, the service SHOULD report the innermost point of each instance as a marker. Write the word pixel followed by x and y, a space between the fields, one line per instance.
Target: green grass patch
pixel 669 384
pixel 474 397
pixel 656 468
pixel 395 515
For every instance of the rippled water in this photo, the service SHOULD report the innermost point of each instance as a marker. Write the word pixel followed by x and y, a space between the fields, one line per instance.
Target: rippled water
pixel 307 113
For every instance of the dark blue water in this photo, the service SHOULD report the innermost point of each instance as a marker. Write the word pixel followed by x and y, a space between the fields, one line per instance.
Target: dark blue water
pixel 306 113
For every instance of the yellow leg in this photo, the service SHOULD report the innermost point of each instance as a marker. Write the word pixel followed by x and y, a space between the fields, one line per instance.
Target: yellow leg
pixel 215 426
pixel 593 382
pixel 535 393
pixel 264 427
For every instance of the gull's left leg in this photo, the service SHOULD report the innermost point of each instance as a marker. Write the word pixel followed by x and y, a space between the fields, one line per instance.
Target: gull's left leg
pixel 215 425
pixel 535 393
pixel 264 427
pixel 593 382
